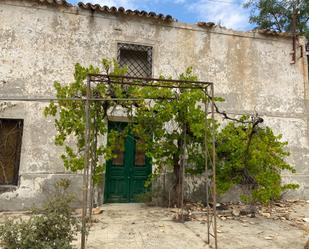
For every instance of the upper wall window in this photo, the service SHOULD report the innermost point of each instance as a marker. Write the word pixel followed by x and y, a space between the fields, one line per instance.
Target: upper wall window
pixel 137 58
pixel 10 147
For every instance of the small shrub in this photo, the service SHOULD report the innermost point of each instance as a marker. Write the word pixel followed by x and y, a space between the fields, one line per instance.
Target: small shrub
pixel 50 227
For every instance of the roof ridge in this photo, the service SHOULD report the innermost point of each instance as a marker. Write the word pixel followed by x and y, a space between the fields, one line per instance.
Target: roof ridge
pixel 57 2
pixel 109 9
pixel 122 10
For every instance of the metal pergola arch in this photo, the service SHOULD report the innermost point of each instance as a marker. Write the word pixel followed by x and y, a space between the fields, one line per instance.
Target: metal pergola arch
pixel 210 171
pixel 210 176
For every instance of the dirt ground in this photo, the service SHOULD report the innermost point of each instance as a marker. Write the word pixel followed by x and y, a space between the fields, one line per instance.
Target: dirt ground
pixel 140 227
pixel 137 226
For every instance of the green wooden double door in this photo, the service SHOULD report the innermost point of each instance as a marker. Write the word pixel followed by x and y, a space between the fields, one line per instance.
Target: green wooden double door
pixel 127 172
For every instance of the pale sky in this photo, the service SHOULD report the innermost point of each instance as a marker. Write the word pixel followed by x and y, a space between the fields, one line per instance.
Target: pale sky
pixel 228 13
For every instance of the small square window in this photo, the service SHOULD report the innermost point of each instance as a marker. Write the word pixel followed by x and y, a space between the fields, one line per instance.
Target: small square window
pixel 137 58
pixel 10 148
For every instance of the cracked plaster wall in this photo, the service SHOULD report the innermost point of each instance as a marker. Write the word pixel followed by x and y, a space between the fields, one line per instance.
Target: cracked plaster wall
pixel 40 44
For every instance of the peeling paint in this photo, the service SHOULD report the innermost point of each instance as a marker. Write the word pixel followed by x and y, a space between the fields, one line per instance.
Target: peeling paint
pixel 39 45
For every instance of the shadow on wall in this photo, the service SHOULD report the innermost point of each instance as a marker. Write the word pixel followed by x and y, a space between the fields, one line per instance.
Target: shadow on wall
pixel 34 190
pixel 195 191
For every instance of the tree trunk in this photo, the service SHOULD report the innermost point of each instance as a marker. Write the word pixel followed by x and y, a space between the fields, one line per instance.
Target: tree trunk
pixel 177 187
pixel 94 160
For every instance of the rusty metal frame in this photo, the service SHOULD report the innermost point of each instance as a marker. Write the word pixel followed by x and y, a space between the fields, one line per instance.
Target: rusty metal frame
pixel 210 170
pixel 208 88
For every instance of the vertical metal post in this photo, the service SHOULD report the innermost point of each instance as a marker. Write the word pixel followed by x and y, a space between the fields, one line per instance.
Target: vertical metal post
pixel 206 165
pixel 93 163
pixel 86 166
pixel 183 163
pixel 214 188
pixel 90 178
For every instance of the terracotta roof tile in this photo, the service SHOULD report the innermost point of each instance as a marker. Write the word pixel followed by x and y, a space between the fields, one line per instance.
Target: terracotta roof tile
pixel 123 11
pixel 55 2
pixel 272 32
pixel 110 10
pixel 206 24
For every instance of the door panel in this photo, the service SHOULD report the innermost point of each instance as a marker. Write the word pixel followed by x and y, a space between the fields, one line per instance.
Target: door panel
pixel 141 169
pixel 117 192
pixel 116 174
pixel 127 172
pixel 139 154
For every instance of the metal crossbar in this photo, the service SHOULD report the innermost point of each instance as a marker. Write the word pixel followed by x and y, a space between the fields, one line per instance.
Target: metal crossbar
pixel 142 82
pixel 164 83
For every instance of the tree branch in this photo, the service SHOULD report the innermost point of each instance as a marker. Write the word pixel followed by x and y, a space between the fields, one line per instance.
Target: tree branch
pixel 255 119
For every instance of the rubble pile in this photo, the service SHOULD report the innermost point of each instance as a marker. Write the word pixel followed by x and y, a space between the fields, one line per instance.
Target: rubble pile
pixel 282 210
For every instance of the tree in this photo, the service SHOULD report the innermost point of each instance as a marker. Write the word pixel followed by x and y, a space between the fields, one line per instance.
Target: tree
pixel 70 120
pixel 277 15
pixel 176 107
pixel 171 123
pixel 173 127
pixel 253 156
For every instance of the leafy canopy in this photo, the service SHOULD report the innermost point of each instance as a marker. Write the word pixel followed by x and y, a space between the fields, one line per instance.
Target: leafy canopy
pixel 169 122
pixel 70 118
pixel 253 156
pixel 277 15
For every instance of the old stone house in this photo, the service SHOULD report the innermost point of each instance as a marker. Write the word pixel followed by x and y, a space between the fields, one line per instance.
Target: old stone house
pixel 41 40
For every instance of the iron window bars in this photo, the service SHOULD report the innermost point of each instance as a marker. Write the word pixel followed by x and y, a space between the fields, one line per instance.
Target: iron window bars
pixel 137 58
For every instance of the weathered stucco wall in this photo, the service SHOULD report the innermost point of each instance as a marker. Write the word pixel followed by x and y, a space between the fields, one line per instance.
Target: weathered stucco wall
pixel 40 44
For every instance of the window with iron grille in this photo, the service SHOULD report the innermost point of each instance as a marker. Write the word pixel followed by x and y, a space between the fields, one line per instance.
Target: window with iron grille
pixel 10 147
pixel 137 58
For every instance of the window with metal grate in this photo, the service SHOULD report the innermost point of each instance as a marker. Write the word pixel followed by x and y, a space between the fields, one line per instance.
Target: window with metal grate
pixel 137 58
pixel 10 148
